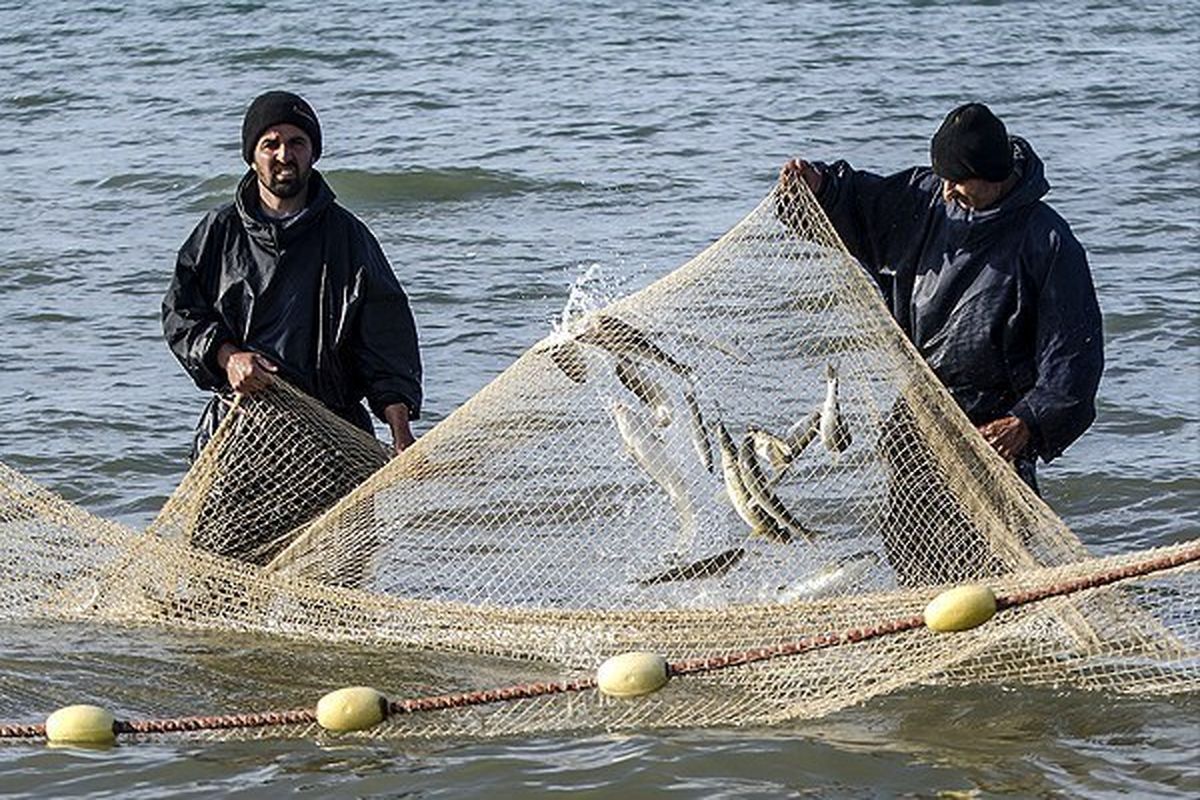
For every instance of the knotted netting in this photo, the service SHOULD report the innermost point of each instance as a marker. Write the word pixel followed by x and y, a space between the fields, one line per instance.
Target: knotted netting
pixel 745 453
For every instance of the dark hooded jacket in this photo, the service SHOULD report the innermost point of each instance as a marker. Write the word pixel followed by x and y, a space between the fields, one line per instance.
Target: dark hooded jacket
pixel 999 302
pixel 314 294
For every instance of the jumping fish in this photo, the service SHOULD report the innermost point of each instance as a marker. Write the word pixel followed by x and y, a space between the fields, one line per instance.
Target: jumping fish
pixel 786 526
pixel 620 338
pixel 798 437
pixel 649 451
pixel 760 523
pixel 569 358
pixel 832 577
pixel 700 440
pixel 803 432
pixel 710 567
pixel 770 448
pixel 834 432
pixel 644 388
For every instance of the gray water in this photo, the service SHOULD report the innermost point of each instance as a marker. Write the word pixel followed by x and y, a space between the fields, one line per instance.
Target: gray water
pixel 498 151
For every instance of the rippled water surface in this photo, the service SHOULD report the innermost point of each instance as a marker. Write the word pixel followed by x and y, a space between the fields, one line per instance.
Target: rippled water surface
pixel 500 150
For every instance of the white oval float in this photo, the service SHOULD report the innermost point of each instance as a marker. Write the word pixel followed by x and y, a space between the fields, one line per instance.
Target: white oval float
pixel 961 608
pixel 81 724
pixel 632 674
pixel 352 709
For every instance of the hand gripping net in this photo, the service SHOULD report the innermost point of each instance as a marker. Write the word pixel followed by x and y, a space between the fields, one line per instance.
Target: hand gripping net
pixel 746 453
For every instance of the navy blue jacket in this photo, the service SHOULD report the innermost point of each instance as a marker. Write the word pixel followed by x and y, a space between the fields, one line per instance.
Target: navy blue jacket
pixel 999 302
pixel 316 296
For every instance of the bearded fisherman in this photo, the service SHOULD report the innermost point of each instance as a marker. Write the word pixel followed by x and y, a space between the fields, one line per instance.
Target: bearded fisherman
pixel 284 280
pixel 994 290
pixel 984 277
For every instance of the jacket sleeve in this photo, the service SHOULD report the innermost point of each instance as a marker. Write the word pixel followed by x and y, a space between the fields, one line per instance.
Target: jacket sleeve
pixel 385 348
pixel 1069 350
pixel 877 217
pixel 191 325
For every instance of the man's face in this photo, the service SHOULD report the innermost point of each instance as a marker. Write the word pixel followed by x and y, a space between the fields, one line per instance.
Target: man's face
pixel 972 193
pixel 283 160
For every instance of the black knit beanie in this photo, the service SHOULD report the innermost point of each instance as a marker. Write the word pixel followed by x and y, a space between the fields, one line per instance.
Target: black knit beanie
pixel 274 108
pixel 972 143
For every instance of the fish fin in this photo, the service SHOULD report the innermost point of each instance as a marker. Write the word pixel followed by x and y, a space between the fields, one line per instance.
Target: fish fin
pixel 771 531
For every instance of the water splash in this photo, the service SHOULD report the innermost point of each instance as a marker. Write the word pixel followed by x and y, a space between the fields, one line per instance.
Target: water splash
pixel 591 289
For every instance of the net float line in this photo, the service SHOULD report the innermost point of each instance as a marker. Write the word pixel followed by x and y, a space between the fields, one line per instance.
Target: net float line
pixel 1163 562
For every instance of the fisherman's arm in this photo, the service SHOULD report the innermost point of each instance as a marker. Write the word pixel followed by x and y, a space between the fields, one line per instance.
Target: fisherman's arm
pixel 193 329
pixel 1009 436
pixel 1069 351
pixel 246 371
pixel 385 348
pixel 875 216
pixel 396 416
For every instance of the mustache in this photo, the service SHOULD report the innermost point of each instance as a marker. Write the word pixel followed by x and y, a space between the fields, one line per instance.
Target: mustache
pixel 288 172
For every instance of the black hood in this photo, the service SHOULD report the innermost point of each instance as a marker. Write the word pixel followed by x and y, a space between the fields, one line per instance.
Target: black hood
pixel 1031 186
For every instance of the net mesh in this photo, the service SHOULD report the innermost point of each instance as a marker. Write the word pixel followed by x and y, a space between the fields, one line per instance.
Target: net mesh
pixel 745 453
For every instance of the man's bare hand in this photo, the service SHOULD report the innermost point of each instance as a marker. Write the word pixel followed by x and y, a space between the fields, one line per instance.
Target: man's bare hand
pixel 397 419
pixel 1009 436
pixel 798 169
pixel 247 372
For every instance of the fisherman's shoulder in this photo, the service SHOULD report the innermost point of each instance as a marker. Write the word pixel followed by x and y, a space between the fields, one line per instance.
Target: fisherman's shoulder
pixel 220 216
pixel 337 215
pixel 214 226
pixel 1046 228
pixel 1048 243
pixel 346 223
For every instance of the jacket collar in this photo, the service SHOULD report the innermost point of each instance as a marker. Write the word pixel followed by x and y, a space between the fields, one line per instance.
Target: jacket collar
pixel 320 198
pixel 1030 187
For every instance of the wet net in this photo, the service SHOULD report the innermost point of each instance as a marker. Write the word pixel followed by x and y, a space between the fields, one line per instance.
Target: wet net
pixel 745 455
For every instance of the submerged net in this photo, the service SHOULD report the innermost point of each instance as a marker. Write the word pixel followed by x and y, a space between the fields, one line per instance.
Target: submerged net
pixel 744 454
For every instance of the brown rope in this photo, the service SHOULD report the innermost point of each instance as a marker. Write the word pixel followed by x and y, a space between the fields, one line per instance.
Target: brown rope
pixel 255 720
pixel 714 663
pixel 518 692
pixel 1169 561
pixel 686 667
pixel 22 731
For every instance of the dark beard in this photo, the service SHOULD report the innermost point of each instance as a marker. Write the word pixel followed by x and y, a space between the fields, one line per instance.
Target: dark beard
pixel 289 188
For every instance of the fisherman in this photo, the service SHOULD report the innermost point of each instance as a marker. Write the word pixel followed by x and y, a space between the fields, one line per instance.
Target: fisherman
pixel 285 281
pixel 986 280
pixel 993 289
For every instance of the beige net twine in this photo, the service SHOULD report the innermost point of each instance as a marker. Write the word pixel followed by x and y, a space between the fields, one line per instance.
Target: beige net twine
pixel 744 454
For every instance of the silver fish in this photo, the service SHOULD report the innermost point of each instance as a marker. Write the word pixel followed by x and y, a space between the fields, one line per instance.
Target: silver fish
pixel 760 523
pixel 756 486
pixel 644 388
pixel 770 448
pixel 803 432
pixel 569 358
pixel 700 440
pixel 834 433
pixel 798 437
pixel 831 578
pixel 620 338
pixel 710 567
pixel 649 451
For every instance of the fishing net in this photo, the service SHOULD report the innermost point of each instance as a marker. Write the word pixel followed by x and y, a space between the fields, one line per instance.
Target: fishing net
pixel 745 454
